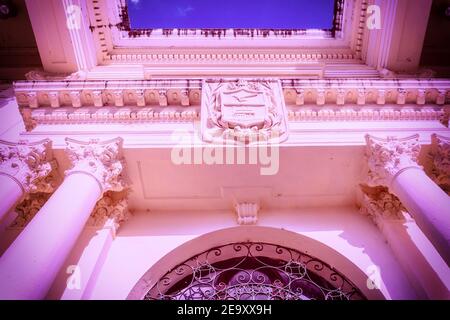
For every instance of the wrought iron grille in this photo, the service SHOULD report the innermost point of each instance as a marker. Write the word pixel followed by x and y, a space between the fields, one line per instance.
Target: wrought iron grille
pixel 253 271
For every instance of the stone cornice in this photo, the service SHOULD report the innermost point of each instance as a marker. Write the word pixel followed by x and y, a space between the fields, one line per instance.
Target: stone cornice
pixel 99 93
pixel 184 92
pixel 30 164
pixel 352 113
pixel 233 56
pixel 387 157
pixel 86 115
pixel 101 160
pixel 162 100
pixel 440 154
pixel 366 92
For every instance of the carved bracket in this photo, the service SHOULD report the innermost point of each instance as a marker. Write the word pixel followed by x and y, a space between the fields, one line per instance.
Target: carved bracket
pixel 247 213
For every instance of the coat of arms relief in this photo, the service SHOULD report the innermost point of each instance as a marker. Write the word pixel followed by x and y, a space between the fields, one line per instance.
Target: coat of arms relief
pixel 243 110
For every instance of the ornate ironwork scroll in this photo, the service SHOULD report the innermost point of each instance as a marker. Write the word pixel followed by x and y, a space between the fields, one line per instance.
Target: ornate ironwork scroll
pixel 253 271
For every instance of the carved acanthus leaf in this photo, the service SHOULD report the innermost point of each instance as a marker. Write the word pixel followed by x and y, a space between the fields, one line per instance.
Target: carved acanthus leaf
pixel 380 205
pixel 28 208
pixel 440 153
pixel 31 165
pixel 101 160
pixel 112 207
pixel 387 157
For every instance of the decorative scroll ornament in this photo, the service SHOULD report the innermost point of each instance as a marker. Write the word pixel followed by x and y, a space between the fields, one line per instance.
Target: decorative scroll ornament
pixel 387 157
pixel 253 271
pixel 101 160
pixel 243 110
pixel 440 153
pixel 247 213
pixel 30 164
pixel 381 205
pixel 111 207
pixel 28 208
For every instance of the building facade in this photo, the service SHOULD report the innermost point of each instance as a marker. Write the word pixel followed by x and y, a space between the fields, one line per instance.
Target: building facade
pixel 215 164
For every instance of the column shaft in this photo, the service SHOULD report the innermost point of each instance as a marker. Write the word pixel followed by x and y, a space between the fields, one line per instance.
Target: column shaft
pixel 427 204
pixel 10 194
pixel 30 265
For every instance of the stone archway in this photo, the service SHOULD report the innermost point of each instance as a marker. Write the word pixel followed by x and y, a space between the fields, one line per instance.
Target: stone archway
pixel 253 263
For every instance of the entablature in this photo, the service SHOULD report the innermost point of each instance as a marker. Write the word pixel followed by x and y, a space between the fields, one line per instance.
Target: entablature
pixel 314 110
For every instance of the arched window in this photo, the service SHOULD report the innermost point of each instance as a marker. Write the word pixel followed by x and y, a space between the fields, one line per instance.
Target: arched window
pixel 253 271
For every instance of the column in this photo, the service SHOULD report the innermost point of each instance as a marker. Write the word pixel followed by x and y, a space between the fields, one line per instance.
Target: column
pixel 61 28
pixel 30 265
pixel 425 268
pixel 393 163
pixel 390 46
pixel 80 272
pixel 24 168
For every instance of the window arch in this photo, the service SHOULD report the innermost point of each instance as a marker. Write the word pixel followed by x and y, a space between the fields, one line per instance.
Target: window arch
pixel 253 271
pixel 325 266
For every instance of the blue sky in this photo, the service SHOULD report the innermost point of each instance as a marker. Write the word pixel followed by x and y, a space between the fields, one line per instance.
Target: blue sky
pixel 263 14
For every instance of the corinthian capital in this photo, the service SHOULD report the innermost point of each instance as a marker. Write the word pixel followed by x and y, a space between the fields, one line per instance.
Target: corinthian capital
pixel 388 157
pixel 30 164
pixel 440 153
pixel 101 160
